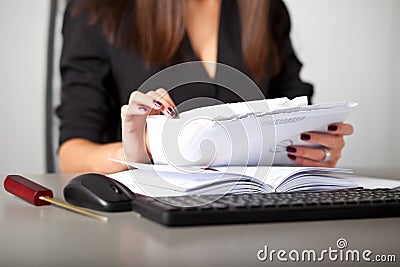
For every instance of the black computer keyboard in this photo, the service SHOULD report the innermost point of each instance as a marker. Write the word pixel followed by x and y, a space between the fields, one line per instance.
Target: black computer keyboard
pixel 273 207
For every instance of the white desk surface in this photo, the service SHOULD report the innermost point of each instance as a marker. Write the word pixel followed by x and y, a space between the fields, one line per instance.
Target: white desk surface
pixel 51 236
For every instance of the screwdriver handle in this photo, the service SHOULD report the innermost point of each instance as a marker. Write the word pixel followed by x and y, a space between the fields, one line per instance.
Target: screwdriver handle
pixel 27 190
pixel 39 195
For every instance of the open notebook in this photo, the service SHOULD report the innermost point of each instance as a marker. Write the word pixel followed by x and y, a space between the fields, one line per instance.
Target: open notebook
pixel 164 180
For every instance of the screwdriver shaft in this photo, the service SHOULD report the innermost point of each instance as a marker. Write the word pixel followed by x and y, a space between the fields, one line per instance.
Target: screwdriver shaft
pixel 74 208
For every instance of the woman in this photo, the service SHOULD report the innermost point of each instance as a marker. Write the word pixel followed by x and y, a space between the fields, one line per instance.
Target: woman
pixel 112 47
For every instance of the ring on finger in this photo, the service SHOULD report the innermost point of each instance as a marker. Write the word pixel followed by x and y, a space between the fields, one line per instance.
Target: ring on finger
pixel 327 156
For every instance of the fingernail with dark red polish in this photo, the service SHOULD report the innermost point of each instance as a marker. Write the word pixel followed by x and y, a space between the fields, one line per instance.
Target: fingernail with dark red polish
pixel 291 149
pixel 292 157
pixel 142 109
pixel 171 112
pixel 157 104
pixel 305 137
pixel 332 128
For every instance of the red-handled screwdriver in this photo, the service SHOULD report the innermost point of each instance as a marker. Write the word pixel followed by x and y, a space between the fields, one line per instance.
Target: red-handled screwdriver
pixel 39 195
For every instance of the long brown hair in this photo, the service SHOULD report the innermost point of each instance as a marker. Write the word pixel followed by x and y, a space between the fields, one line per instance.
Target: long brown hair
pixel 155 29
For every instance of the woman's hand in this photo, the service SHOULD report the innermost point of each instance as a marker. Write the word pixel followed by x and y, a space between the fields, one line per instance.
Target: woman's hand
pixel 133 115
pixel 331 144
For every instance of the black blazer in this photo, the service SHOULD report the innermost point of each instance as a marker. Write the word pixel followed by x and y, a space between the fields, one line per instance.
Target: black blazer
pixel 98 78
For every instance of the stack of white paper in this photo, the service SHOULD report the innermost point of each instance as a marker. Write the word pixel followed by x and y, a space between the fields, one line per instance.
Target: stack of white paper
pixel 244 134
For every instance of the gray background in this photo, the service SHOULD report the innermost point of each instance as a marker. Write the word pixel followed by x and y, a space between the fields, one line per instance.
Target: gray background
pixel 348 48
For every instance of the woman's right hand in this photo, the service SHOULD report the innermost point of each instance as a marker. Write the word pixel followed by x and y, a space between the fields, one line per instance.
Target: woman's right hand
pixel 133 116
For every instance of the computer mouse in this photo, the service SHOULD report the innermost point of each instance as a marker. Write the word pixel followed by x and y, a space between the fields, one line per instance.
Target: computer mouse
pixel 98 192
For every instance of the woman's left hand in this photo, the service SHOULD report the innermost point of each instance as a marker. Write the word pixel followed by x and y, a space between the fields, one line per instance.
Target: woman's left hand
pixel 330 151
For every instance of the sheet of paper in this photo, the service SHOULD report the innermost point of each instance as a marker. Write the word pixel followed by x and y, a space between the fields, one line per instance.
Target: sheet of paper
pixel 248 133
pixel 162 167
pixel 371 183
